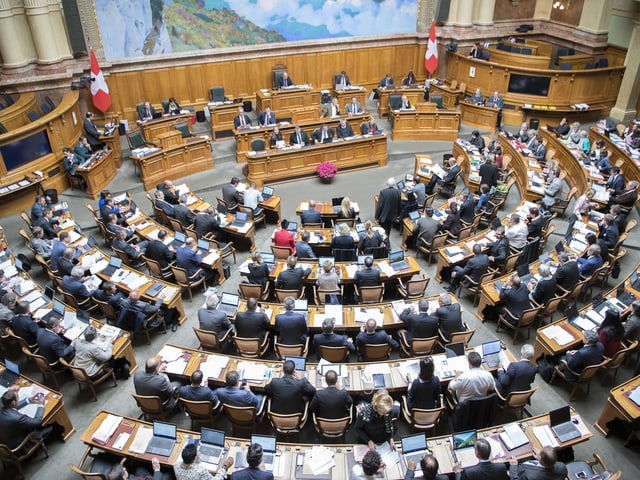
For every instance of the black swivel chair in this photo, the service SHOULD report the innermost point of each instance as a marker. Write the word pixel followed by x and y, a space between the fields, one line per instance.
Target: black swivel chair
pixel 33 115
pixel 437 99
pixel 217 94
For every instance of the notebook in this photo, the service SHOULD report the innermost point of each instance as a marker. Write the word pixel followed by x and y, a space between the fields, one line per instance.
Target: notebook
pixel 414 447
pixel 10 374
pixel 491 353
pixel 114 264
pixel 267 192
pixel 400 185
pixel 562 425
pixel 397 261
pixel 229 303
pixel 301 307
pixel 464 447
pixel 163 440
pixel 211 445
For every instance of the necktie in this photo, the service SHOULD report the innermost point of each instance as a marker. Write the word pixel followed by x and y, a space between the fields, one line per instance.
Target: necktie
pixel 148 113
pixel 242 120
pixel 299 139
pixel 323 135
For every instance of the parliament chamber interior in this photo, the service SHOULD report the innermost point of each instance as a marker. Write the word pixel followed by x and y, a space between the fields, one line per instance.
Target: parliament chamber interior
pixel 364 249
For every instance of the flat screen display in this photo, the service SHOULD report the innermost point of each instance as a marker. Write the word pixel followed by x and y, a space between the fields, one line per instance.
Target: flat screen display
pixel 25 150
pixel 529 85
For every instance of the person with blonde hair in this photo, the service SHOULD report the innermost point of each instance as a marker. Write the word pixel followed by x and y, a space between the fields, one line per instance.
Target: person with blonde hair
pixel 343 239
pixel 374 421
pixel 346 210
pixel 258 271
pixel 328 278
pixel 370 238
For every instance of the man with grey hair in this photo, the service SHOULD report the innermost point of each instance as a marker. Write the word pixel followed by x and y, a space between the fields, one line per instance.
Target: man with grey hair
pixel 485 468
pixel 7 305
pixel 519 375
pixel 39 244
pixel 588 266
pixel 577 360
pixel 427 226
pixel 516 232
pixel 207 222
pixel 213 320
pixel 368 335
pixel 449 316
pixel 552 189
pixel 291 277
pixel 65 263
pixel 567 275
pixel 52 345
pixel 627 198
pixel 73 284
pixel 420 324
pixel 90 356
pixel 542 290
pixel 162 204
pixel 291 326
pixel 182 213
pixel 389 206
pixel 330 339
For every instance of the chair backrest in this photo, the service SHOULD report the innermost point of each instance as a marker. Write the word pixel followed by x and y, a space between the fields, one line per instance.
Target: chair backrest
pixel 33 115
pixel 287 423
pixel 87 475
pixel 281 253
pixel 331 427
pixel 3 129
pixel 417 287
pixel 282 350
pixel 244 416
pixel 589 372
pixel 79 373
pixel 463 337
pixel 198 410
pixel 426 419
pixel 282 294
pixel 423 346
pixel 44 108
pixel 258 144
pixel 377 252
pixel 41 362
pixel 371 294
pixel 208 340
pixel 216 94
pixel 277 76
pixel 26 218
pixel 249 290
pixel 107 309
pixel 465 232
pixel 620 356
pixel 183 128
pixel 437 99
pixel 150 405
pixel 517 400
pixel 135 138
pixel 631 224
pixel 528 317
pixel 376 352
pixel 321 295
pixel 181 275
pixel 154 266
pixel 333 354
pixel 475 413
pixel 50 102
pixel 344 254
pixel 247 347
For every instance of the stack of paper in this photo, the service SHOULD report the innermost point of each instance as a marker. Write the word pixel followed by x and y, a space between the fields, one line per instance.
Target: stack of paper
pixel 213 367
pixel 545 436
pixel 557 333
pixel 333 311
pixel 169 353
pixel 141 440
pixel 106 429
pixel 319 459
pixel 361 315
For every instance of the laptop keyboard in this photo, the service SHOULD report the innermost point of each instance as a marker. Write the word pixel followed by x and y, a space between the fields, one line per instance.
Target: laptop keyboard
pixel 210 454
pixel 492 360
pixel 402 265
pixel 8 378
pixel 566 430
pixel 160 445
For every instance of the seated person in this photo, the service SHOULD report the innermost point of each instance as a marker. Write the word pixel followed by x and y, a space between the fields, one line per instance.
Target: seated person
pixel 83 149
pixel 332 401
pixel 328 279
pixel 207 221
pixel 330 339
pixel 345 209
pixel 266 118
pixel 354 107
pixel 146 113
pixel 14 425
pixel 409 80
pixel 157 250
pixel 374 421
pixel 371 466
pixel 386 82
pixel 22 324
pixel 477 97
pixel 331 109
pixel 515 297
pixel 241 120
pixel 252 323
pixel 237 395
pixel 251 198
pixel 52 345
pixel 66 262
pixel 197 391
pixel 627 198
pixel 133 251
pixel 535 222
pixel 111 224
pixel 71 161
pixel 477 382
pixel 324 134
pixel 42 246
pixel 109 294
pixel 49 224
pixel 519 375
pixel 343 240
pixel 342 79
pixel 545 467
pixel 285 80
pixel 182 213
pixel 161 203
pixel 419 324
pixel 593 262
pixel 449 317
pixel 368 335
pixel 344 130
pixel 289 393
pixel 276 139
pixel 256 469
pixel 133 302
pixel 291 326
pixel 283 237
pixel 291 278
pixel 230 193
pixel 405 104
pixel 303 249
pixel 370 127
pixel 190 258
pixel 73 284
pixel 212 320
pixel 172 107
pixel 424 391
pixel 562 129
pixel 477 140
pixel 590 354
pixel 90 356
pixel 298 137
pixel 154 382
pixel 475 268
pixel 311 215
pixel 258 271
pixel 367 276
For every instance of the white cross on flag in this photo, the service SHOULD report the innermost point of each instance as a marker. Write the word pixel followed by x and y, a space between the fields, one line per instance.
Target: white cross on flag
pixel 99 88
pixel 431 55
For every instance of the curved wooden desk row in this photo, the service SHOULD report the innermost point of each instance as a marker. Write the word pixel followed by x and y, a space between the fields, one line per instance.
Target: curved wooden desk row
pixel 360 152
pixel 15 115
pixel 577 175
pixel 619 150
pixel 479 116
pixel 283 101
pixel 291 458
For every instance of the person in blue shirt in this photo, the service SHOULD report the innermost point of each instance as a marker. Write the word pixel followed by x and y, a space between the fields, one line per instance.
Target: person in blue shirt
pixel 587 266
pixel 483 201
pixel 603 164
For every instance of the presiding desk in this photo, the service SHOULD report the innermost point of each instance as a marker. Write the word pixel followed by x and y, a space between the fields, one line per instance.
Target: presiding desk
pixel 620 406
pixel 415 95
pixel 98 173
pixel 449 95
pixel 222 115
pixel 293 460
pixel 479 116
pixel 294 162
pixel 424 122
pixel 344 96
pixel 152 128
pixel 283 101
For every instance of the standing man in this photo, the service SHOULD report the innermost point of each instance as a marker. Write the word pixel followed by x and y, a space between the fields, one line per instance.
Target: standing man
pixel 93 134
pixel 389 206
pixel 497 102
pixel 230 193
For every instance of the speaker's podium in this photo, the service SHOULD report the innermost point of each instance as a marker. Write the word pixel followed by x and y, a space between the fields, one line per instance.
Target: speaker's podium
pixel 169 139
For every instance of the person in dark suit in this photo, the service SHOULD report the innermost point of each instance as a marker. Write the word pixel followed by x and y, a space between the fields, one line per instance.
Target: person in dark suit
pixel 485 469
pixel 298 137
pixel 171 195
pixel 515 296
pixel 255 470
pixel 275 138
pixel 322 134
pixel 52 345
pixel 284 81
pixel 158 251
pixel 593 262
pixel 519 375
pixel 291 278
pixel 15 426
pixel 420 324
pixel 429 466
pixel 344 130
pixel 23 324
pixel 475 268
pixel 208 221
pixel 369 239
pixel 449 316
pixel 343 240
pixel 615 183
pixel 567 275
pixel 369 276
pixel 230 193
pixel 331 402
pixel 543 289
pixel 266 118
pixel 619 219
pixel 477 141
pixel 241 120
pixel 163 205
pixel 389 206
pixel 311 215
pixel 251 323
pixel 427 226
pixel 498 250
pixel 71 161
pixel 153 381
pixel 65 263
pixel 182 213
pixel 92 132
pixel 424 391
pixel 627 198
pixel 609 231
pixel 109 294
pixel 342 79
pixel 146 113
pixel 196 391
pixel 449 177
pixel 258 271
pixel 476 51
pixel 590 354
pixel 291 326
pixel 38 208
pixel 188 257
pixel 237 395
pixel 289 392
pixel 535 222
pixel 303 249
pixel 213 320
pixel 49 224
pixel 354 107
pixel 171 108
pixel 82 148
pixel 489 173
pixel 467 209
pixel 133 250
pixel 368 335
pixel 73 285
pixel 330 339
pixel 370 127
pixel 545 467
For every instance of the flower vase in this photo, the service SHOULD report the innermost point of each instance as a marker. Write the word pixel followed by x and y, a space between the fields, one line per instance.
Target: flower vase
pixel 326 179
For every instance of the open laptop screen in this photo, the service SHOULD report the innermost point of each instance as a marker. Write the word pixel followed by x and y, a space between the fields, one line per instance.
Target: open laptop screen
pixel 162 429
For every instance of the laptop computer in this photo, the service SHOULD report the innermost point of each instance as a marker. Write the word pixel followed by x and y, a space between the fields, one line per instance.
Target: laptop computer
pixel 300 363
pixel 414 447
pixel 267 192
pixel 562 425
pixel 132 209
pixel 634 279
pixel 45 298
pixel 91 242
pixel 360 228
pixel 400 185
pixel 559 247
pixel 301 307
pixel 240 220
pixel 268 444
pixel 114 264
pixel 211 445
pixel 361 259
pixel 157 115
pixel 154 289
pixel 397 261
pixel 163 440
pixel 491 353
pixel 203 246
pixel 336 201
pixel 178 239
pixel 229 303
pixel 292 227
pixel 57 310
pixel 463 444
pixel 414 216
pixel 10 374
pixel 327 140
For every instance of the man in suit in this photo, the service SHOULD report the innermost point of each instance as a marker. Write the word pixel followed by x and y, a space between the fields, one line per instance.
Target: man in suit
pixel 427 226
pixel 39 244
pixel 213 320
pixel 92 132
pixel 405 104
pixel 419 190
pixel 146 113
pixel 420 324
pixel 543 289
pixel 284 81
pixel 237 395
pixel 386 81
pixel 52 345
pixel 303 249
pixel 567 275
pixel 182 212
pixel 370 127
pixel 593 262
pixel 498 250
pixel 449 177
pixel 475 383
pixel 539 151
pixel 331 402
pixel 23 324
pixel 449 316
pixel 369 276
pixel 590 354
pixel 343 79
pixel 535 222
pixel 467 208
pixel 256 469
pixel 485 469
pixel 627 198
pixel 369 336
pixel 515 296
pixel 230 193
pixel 344 130
pixel 198 392
pixel 65 263
pixel 323 134
pixel 475 268
pixel 49 224
pixel 429 466
pixel 109 294
pixel 497 102
pixel 545 467
pixel 298 137
pixel 291 278
pixel 609 231
pixel 73 284
pixel 331 109
pixel 289 392
pixel 15 426
pixel 354 107
pixel 330 339
pixel 476 51
pixel 615 182
pixel 133 251
pixel 133 302
pixel 58 248
pixel 154 382
pixel 111 224
pixel 241 120
pixel 251 323
pixel 267 118
pixel 38 208
pixel 552 189
pixel 519 375
pixel 70 161
pixel 311 215
pixel 489 173
pixel 389 206
pixel 163 205
pixel 291 326
pixel 619 219
pixel 157 250
pixel 171 195
pixel 189 258
pixel 83 149
pixel 207 221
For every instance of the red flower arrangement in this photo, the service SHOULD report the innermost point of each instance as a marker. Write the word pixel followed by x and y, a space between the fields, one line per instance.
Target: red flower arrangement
pixel 327 169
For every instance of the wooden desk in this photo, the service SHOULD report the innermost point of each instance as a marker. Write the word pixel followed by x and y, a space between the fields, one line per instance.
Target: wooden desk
pixel 449 96
pixel 344 97
pixel 245 236
pixel 113 142
pixel 415 95
pixel 97 176
pixel 326 209
pixel 283 101
pixel 152 128
pixel 527 170
pixel 15 115
pixel 578 61
pixel 619 406
pixel 192 157
pixel 570 161
pixel 278 166
pixel 533 61
pixel 619 150
pixel 479 116
pixel 54 409
pixel 417 125
pixel 552 114
pixel 222 116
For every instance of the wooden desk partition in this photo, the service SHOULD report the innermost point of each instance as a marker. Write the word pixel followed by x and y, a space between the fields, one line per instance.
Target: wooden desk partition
pixel 279 166
pixel 191 157
pixel 551 115
pixel 630 167
pixel 282 102
pixel 479 116
pixel 113 142
pixel 619 406
pixel 534 61
pixel 222 116
pixel 153 128
pixel 577 61
pixel 98 175
pixel 418 125
pixel 414 95
pixel 15 116
pixel 449 96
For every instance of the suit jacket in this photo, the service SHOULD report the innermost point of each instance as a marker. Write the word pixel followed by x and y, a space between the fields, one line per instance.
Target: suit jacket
pixel 165 206
pixel 367 277
pixel 420 324
pixel 114 300
pixel 264 121
pixel 288 394
pixel 365 242
pixel 304 250
pixel 544 290
pixel 343 241
pixel 616 183
pixel 50 229
pixel 238 397
pixel 259 273
pixel 284 82
pixel 310 216
pixel 41 246
pixel 484 471
pixel 56 253
pixel 198 394
pixel 206 223
pixel 25 327
pixel 354 108
pixel 170 195
pixel 499 250
pixel 468 209
pixel 327 110
pixel 516 299
pixel 489 174
pixel 389 205
pixel 517 377
pixel 534 227
pixel 368 128
pixel 14 426
pixel 91 130
pixel 450 319
pixel 451 174
pixel 532 470
pixel 476 266
pixel 427 228
pixel 567 275
pixel 590 265
pixel 424 394
pixel 626 198
pixel 304 138
pixel 153 384
pixel 291 278
pixel 292 328
pixel 127 248
pixel 410 475
pixel 377 337
pixel 582 358
pixel 231 195
pixel 64 266
pixel 610 234
pixel 213 320
pixel 146 114
pixel 343 132
pixel 251 324
pixel 251 474
pixel 188 259
pixel 157 250
pixel 331 402
pixel 183 215
pixel 236 121
pixel 317 134
pixel 53 346
pixel 75 287
pixel 332 340
pixel 70 164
